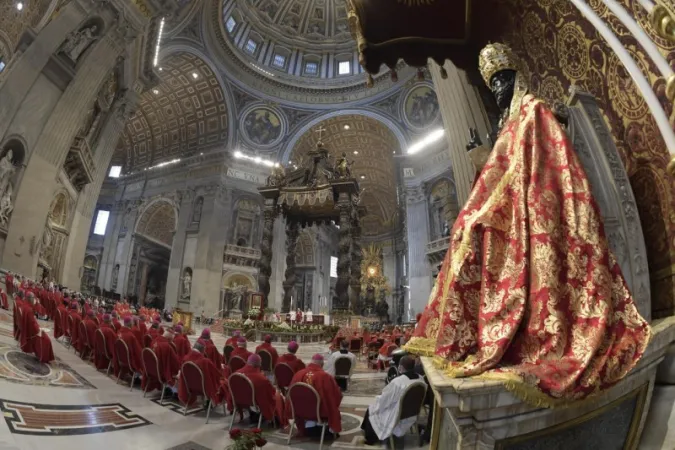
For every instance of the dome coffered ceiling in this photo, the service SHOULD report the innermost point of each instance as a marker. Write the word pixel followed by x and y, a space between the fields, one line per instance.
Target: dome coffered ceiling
pixel 184 113
pixel 14 21
pixel 371 145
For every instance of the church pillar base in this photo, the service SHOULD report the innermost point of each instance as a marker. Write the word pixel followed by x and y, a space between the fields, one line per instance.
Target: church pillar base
pixel 477 414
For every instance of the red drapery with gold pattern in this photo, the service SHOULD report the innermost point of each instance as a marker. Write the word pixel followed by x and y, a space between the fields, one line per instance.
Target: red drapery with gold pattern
pixel 529 292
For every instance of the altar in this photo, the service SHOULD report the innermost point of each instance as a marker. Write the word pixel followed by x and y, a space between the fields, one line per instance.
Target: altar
pixel 185 317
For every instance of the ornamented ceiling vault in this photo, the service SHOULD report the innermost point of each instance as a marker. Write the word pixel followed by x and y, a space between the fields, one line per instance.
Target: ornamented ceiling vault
pixel 14 22
pixel 184 113
pixel 375 144
pixel 158 222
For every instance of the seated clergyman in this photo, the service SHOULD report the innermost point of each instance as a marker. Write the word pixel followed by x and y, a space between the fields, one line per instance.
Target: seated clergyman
pixel 380 420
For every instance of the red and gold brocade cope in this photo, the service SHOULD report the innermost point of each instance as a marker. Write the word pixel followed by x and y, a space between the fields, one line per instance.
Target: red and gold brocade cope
pixel 529 292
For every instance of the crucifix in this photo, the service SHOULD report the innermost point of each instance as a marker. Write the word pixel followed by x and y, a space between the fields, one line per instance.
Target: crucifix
pixel 320 130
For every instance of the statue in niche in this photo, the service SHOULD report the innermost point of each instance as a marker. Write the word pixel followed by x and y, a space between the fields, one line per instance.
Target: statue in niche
pixel 91 122
pixel 187 282
pixel 78 41
pixel 47 239
pixel 6 206
pixel 446 229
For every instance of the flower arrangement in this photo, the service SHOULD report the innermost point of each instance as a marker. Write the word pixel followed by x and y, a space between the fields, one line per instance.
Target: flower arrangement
pixel 246 439
pixel 254 312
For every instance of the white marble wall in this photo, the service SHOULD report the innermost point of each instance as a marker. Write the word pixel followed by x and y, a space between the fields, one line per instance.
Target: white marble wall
pixel 420 280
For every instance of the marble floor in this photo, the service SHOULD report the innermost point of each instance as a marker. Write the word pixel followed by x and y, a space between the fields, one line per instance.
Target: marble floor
pixel 69 404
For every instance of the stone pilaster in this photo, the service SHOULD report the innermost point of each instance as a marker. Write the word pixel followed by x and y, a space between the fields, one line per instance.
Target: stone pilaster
pixel 33 196
pixel 461 108
pixel 110 240
pixel 175 273
pixel 419 274
pixel 26 67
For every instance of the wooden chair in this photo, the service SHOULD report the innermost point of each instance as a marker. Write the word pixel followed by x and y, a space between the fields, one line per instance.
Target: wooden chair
pixel 227 350
pixel 69 330
pixel 236 363
pixel 194 383
pixel 152 372
pixel 410 406
pixel 243 395
pixel 305 405
pixel 343 370
pixel 283 375
pixel 101 346
pixel 124 361
pixel 87 349
pixel 265 361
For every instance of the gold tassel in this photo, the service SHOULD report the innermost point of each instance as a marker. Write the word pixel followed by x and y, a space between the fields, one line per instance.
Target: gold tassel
pixel 394 76
pixel 369 81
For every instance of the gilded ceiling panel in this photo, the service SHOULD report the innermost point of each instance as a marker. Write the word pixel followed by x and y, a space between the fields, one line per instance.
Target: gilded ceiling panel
pixel 185 112
pixel 371 145
pixel 13 22
pixel 158 222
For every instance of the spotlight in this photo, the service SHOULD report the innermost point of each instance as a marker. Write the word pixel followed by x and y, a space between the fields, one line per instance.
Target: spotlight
pixel 195 75
pixel 346 127
pixel 356 152
pixel 238 154
pixel 363 177
pixel 155 91
pixel 19 6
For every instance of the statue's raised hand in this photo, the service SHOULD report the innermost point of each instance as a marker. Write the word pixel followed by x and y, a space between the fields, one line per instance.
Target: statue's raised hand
pixel 474 140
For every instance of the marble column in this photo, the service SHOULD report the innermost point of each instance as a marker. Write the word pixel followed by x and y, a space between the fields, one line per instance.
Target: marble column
pixel 461 108
pixel 292 233
pixel 275 297
pixel 419 273
pixel 266 249
pixel 86 202
pixel 342 286
pixel 110 245
pixel 144 282
pixel 33 196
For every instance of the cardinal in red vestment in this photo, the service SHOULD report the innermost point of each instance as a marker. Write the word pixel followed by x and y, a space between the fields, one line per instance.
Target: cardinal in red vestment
pixel 266 396
pixel 154 330
pixel 3 300
pixel 215 382
pixel 33 339
pixel 232 341
pixel 210 350
pixel 142 326
pixel 91 327
pixel 328 391
pixel 74 326
pixel 60 321
pixel 38 309
pixel 267 345
pixel 529 292
pixel 134 348
pixel 181 342
pixel 9 283
pixel 137 330
pixel 106 343
pixel 18 303
pixel 116 324
pixel 169 364
pixel 289 358
pixel 241 350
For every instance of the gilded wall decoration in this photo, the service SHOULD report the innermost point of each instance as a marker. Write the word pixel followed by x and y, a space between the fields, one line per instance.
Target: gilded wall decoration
pixel 158 222
pixel 560 48
pixel 421 106
pixel 14 22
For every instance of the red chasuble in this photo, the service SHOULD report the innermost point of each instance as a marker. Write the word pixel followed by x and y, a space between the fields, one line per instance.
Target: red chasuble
pixel 211 352
pixel 117 325
pixel 292 360
pixel 32 340
pixel 3 300
pixel 138 334
pixel 216 387
pixel 182 345
pixel 273 351
pixel 134 351
pixel 75 330
pixel 329 392
pixel 100 361
pixel 17 317
pixel 265 393
pixel 529 292
pixel 169 364
pixel 241 352
pixel 9 284
pixel 231 341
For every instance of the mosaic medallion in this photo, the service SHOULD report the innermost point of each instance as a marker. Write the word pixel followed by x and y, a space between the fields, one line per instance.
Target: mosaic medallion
pixel 420 108
pixel 19 367
pixel 68 420
pixel 262 126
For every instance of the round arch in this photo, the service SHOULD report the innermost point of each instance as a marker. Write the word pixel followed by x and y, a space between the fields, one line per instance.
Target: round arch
pixel 316 120
pixel 239 278
pixel 152 221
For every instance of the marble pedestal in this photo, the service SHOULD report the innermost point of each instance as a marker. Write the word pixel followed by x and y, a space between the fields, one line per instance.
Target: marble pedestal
pixel 479 414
